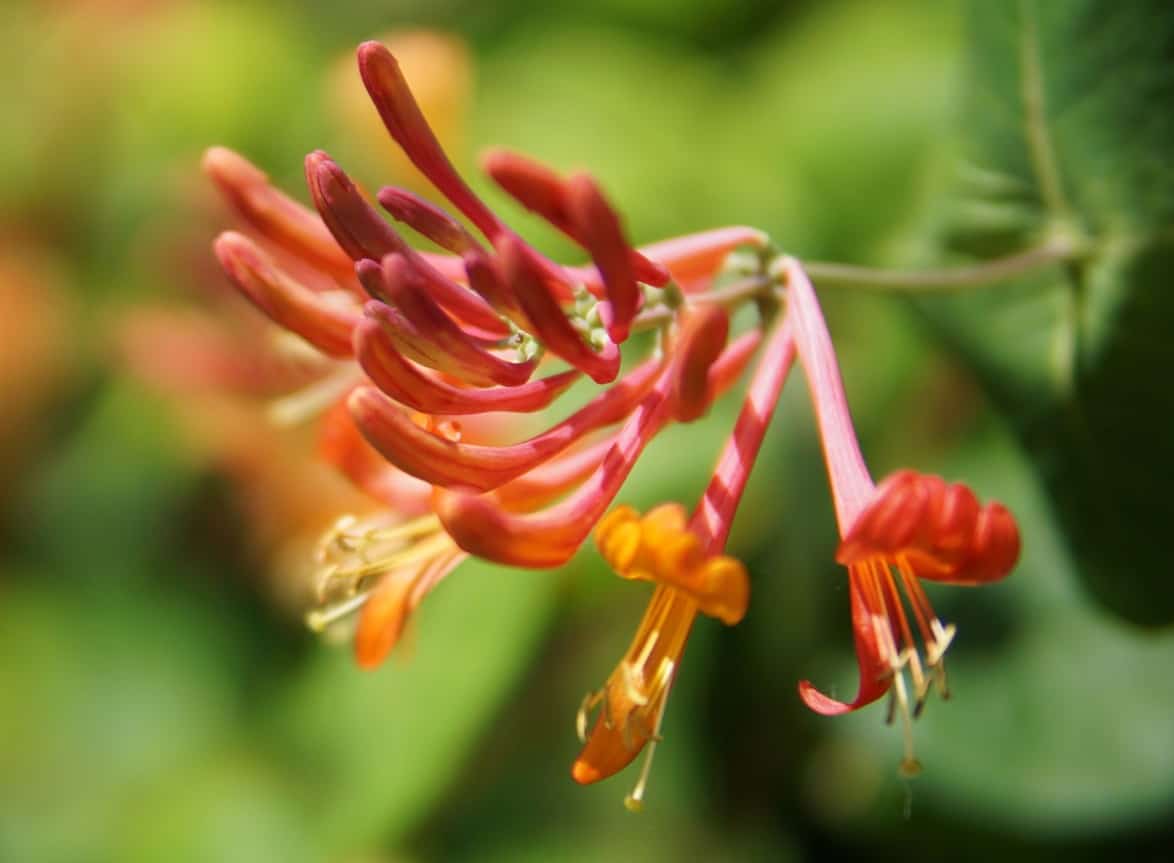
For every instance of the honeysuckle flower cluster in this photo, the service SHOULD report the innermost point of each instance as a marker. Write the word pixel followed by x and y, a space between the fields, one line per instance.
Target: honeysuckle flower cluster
pixel 428 351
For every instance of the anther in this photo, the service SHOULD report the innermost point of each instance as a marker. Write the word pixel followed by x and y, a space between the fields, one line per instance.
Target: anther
pixel 320 618
pixel 590 700
pixel 634 802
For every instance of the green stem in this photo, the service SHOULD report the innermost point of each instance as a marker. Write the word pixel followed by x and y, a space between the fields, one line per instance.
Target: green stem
pixel 730 295
pixel 828 275
pixel 831 275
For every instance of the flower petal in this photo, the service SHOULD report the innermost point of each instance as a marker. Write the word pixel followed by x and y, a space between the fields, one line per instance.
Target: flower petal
pixel 409 293
pixel 274 215
pixel 875 673
pixel 541 190
pixel 391 604
pixel 463 465
pixel 427 219
pixel 363 234
pixel 938 527
pixel 325 324
pixel 406 124
pixel 527 279
pixel 409 385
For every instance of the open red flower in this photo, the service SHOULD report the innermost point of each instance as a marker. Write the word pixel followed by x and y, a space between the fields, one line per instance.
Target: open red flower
pixel 910 527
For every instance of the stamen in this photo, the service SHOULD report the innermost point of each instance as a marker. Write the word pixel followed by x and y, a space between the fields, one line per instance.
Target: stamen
pixel 583 717
pixel 349 555
pixel 307 403
pixel 942 637
pixel 910 766
pixel 421 526
pixel 634 802
pixel 412 554
pixel 320 618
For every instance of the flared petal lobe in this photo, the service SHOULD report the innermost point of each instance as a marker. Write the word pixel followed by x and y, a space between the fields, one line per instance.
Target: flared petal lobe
pixel 938 527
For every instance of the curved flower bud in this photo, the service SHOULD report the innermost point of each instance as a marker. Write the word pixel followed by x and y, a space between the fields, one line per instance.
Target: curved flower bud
pixel 484 277
pixel 466 465
pixel 701 341
pixel 406 124
pixel 542 191
pixel 453 348
pixel 340 444
pixel 273 214
pixel 481 525
pixel 598 227
pixel 692 260
pixel 363 234
pixel 325 323
pixel 427 219
pixel 410 385
pixel 549 480
pixel 528 280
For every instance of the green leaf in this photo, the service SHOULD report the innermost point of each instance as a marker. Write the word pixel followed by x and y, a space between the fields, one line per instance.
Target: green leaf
pixel 379 748
pixel 1068 136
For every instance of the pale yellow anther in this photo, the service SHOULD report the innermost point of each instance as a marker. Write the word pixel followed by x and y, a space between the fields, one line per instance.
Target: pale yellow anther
pixel 354 553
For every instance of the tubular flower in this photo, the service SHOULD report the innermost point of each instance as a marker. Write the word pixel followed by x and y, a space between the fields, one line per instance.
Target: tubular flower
pixel 427 352
pixel 909 527
pixel 684 560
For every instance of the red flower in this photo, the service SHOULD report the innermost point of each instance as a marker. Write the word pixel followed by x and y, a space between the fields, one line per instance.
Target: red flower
pixel 910 527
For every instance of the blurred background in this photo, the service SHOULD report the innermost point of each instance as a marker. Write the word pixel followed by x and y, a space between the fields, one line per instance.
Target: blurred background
pixel 160 698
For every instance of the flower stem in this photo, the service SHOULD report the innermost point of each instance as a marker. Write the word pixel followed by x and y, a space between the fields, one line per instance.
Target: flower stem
pixel 946 279
pixel 730 295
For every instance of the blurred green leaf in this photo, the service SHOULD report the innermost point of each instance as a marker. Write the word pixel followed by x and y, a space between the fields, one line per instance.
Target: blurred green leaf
pixel 1068 134
pixel 230 808
pixel 837 120
pixel 379 748
pixel 105 508
pixel 102 690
